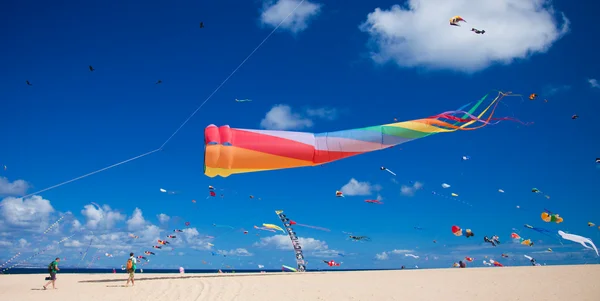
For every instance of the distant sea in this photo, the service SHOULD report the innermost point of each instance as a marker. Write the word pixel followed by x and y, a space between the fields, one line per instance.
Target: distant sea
pixel 159 271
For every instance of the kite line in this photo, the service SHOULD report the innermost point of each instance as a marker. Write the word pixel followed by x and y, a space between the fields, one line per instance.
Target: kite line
pixel 185 122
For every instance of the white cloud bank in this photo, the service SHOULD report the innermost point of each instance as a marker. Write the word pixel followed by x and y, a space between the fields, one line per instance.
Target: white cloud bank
pixel 17 187
pixel 29 213
pixel 593 83
pixel 419 35
pixel 317 248
pixel 281 117
pixel 276 11
pixel 354 187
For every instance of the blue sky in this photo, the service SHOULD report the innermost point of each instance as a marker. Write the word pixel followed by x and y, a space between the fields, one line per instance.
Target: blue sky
pixel 360 63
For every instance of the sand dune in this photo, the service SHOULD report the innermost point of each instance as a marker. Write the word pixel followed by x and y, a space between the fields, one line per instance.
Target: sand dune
pixel 574 283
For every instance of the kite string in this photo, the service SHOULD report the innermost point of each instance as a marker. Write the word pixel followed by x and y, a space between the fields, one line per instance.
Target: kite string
pixel 231 74
pixel 186 121
pixel 93 173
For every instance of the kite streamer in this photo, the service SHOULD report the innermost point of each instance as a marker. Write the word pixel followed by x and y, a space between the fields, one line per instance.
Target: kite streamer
pixel 295 242
pixel 231 151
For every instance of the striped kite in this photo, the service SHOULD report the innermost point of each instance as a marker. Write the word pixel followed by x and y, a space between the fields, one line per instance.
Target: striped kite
pixel 232 151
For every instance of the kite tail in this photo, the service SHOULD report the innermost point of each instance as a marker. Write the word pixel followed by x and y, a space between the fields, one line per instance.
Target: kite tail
pixel 314 227
pixel 232 151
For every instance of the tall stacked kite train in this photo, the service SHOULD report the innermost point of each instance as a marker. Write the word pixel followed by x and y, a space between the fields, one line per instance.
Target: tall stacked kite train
pixel 295 242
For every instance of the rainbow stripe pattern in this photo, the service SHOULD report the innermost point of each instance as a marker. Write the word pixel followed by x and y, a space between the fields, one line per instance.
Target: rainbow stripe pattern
pixel 232 151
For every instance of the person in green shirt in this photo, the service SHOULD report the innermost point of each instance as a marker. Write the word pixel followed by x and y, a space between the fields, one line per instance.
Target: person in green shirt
pixel 52 269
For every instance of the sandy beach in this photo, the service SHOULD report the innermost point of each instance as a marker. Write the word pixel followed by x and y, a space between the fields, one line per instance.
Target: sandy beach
pixel 576 283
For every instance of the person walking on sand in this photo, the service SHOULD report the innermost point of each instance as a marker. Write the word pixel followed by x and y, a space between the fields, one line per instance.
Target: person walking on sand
pixel 52 269
pixel 131 266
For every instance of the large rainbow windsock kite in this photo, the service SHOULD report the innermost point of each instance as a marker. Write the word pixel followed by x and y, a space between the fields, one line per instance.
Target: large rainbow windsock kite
pixel 232 151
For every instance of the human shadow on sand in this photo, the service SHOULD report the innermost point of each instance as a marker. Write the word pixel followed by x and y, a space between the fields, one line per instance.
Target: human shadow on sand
pixel 188 277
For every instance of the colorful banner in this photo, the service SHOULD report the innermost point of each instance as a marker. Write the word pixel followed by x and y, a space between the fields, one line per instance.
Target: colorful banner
pixel 295 242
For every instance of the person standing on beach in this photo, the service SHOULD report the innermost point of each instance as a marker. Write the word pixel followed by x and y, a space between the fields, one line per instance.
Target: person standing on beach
pixel 131 266
pixel 52 269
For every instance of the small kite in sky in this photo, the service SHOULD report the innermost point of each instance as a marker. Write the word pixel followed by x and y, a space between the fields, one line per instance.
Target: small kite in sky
pixel 465 158
pixel 495 263
pixel 274 227
pixel 264 229
pixel 339 194
pixel 477 31
pixel 374 202
pixel 526 242
pixel 495 240
pixel 383 168
pixel 457 231
pixel 551 217
pixel 159 82
pixel 454 194
pixel 533 96
pixel 201 24
pixel 574 117
pixel 91 68
pixel 359 238
pixel 590 224
pixel 444 185
pixel 597 161
pixel 500 190
pixel 243 100
pixel 454 20
pixel 535 190
pixel 28 83
pixel 332 263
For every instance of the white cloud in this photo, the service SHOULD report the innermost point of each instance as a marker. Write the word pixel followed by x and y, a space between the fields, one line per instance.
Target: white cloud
pixel 553 90
pixel 283 242
pixel 401 251
pixel 137 221
pixel 163 218
pixel 235 252
pixel 327 253
pixel 73 243
pixel 419 34
pixel 594 83
pixel 275 12
pixel 104 216
pixel 23 243
pixel 410 190
pixel 17 187
pixel 354 187
pixel 281 117
pixel 192 237
pixel 31 212
pixel 386 255
pixel 382 256
pixel 76 225
pixel 323 113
